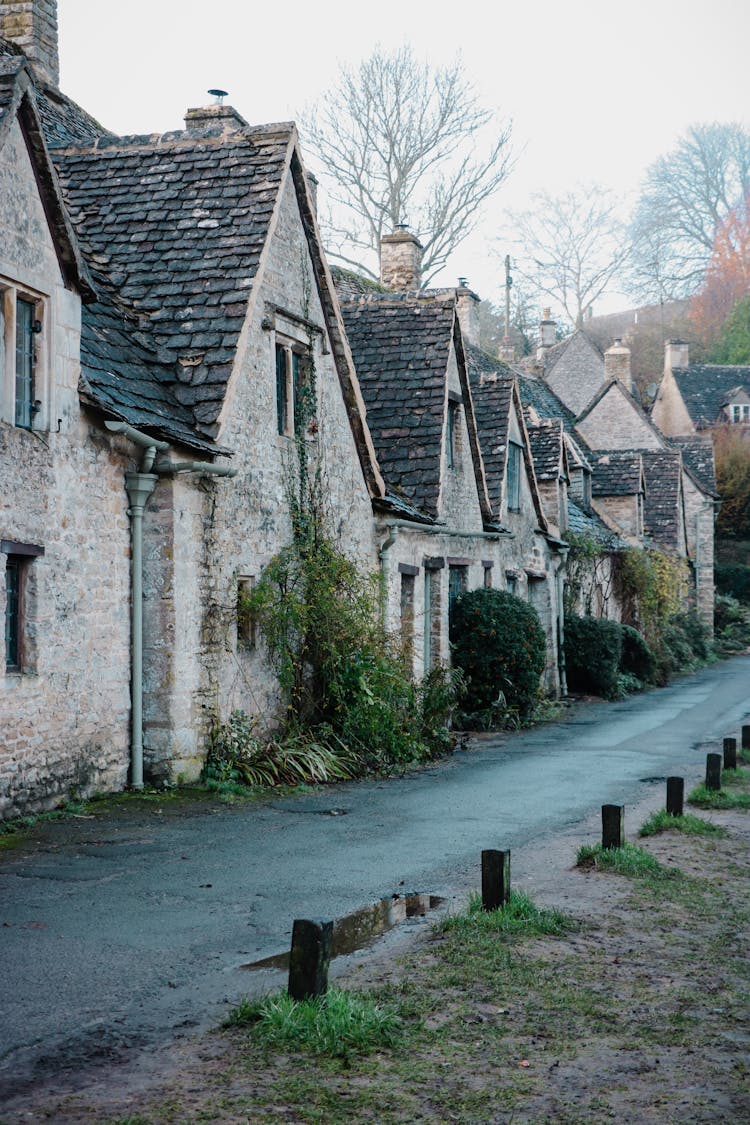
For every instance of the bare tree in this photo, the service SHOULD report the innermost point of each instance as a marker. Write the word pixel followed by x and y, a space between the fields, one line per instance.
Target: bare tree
pixel 686 197
pixel 397 141
pixel 571 246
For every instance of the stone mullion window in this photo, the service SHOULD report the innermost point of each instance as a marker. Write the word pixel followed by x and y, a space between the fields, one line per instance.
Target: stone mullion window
pixel 23 364
pixel 24 388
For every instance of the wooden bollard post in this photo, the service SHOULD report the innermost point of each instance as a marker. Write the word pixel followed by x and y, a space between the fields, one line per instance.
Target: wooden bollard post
pixel 730 753
pixel 495 879
pixel 746 738
pixel 675 796
pixel 713 771
pixel 309 958
pixel 613 826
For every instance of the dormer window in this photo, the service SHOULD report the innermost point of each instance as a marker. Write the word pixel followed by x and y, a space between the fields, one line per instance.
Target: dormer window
pixel 739 412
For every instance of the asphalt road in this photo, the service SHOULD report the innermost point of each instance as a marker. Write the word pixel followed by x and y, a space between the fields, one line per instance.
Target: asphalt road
pixel 123 930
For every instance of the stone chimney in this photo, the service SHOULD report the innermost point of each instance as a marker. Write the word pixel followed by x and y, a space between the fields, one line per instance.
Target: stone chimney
pixel 547 330
pixel 401 260
pixel 32 25
pixel 467 307
pixel 617 364
pixel 506 350
pixel 676 354
pixel 214 120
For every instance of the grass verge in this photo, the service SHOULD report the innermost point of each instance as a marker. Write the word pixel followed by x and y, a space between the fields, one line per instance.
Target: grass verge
pixel 734 793
pixel 690 825
pixel 627 860
pixel 519 917
pixel 339 1024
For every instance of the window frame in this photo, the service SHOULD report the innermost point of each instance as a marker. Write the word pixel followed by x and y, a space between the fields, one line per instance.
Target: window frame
pixel 19 557
pixel 513 476
pixel 292 361
pixel 36 411
pixel 453 432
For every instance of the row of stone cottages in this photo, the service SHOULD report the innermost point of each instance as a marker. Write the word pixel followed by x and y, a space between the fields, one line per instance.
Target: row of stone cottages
pixel 163 299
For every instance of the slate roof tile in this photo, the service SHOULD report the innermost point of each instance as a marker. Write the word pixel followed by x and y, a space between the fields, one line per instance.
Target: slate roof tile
pixel 698 458
pixel 705 389
pixel 546 440
pixel 617 472
pixel 401 345
pixel 661 512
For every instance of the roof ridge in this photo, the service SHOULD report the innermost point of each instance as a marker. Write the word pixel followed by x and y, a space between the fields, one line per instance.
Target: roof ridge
pixel 180 137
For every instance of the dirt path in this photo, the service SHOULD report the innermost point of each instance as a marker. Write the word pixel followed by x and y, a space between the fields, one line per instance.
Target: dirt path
pixel 640 1015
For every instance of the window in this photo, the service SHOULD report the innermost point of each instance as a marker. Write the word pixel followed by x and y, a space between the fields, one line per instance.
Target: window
pixel 407 613
pixel 20 368
pixel 511 582
pixel 246 621
pixel 19 557
pixel 452 437
pixel 427 624
pixel 740 412
pixel 513 477
pixel 458 581
pixel 487 575
pixel 291 386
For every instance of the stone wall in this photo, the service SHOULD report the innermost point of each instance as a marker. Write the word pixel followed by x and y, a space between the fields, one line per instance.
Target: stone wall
pixel 32 24
pixel 699 526
pixel 64 717
pixel 614 423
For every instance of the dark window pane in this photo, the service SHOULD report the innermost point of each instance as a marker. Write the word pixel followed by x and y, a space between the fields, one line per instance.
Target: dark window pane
pixel 12 613
pixel 281 390
pixel 24 362
pixel 458 580
pixel 514 476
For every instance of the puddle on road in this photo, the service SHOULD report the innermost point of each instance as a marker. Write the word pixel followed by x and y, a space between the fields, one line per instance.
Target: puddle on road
pixel 357 930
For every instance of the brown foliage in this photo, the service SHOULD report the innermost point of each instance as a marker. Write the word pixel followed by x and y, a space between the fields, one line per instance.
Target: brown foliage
pixel 732 456
pixel 727 278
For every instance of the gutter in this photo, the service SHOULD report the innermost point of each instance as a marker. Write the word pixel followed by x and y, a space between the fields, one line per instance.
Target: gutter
pixel 140 486
pixel 437 529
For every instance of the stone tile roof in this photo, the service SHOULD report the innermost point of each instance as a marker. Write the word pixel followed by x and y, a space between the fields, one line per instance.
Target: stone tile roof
pixel 175 225
pixel 401 345
pixel 576 454
pixel 706 387
pixel 121 372
pixel 662 506
pixel 64 121
pixel 617 473
pixel 546 440
pixel 495 392
pixel 536 393
pixel 698 459
pixel 589 523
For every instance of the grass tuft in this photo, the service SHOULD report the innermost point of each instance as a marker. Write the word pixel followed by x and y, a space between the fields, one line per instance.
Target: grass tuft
pixel 519 916
pixel 662 821
pixel 339 1024
pixel 704 798
pixel 627 860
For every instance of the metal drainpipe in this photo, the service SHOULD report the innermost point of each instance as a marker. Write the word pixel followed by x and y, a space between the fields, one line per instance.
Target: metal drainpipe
pixel 139 487
pixel 383 557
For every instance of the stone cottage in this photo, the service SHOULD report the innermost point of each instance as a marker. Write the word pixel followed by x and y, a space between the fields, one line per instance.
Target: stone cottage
pixel 165 302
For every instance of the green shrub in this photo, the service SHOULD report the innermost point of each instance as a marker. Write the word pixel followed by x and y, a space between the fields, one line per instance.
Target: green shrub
pixel 733 579
pixel 732 624
pixel 637 658
pixel 593 648
pixel 683 645
pixel 498 643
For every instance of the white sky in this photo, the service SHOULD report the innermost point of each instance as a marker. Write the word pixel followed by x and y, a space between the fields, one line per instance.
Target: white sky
pixel 596 90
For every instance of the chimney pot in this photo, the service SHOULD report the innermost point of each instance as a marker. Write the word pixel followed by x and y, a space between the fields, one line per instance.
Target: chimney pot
pixel 547 329
pixel 617 364
pixel 213 119
pixel 676 354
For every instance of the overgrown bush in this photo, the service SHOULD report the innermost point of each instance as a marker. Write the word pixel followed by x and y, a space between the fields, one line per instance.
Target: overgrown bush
pixel 732 624
pixel 733 579
pixel 637 658
pixel 498 643
pixel 683 645
pixel 593 648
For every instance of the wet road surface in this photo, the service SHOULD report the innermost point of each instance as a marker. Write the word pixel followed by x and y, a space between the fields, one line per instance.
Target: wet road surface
pixel 125 929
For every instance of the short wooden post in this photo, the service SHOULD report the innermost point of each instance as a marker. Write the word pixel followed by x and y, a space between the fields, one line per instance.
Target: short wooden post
pixel 713 771
pixel 613 826
pixel 310 956
pixel 495 879
pixel 675 796
pixel 730 753
pixel 746 738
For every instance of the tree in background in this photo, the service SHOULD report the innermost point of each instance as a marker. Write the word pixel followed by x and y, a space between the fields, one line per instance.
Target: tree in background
pixel 727 282
pixel 732 457
pixel 400 141
pixel 571 246
pixel 732 344
pixel 687 196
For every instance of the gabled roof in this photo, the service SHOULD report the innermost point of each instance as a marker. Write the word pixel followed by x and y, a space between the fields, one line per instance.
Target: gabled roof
pixel 18 102
pixel 495 392
pixel 698 459
pixel 576 456
pixel 401 344
pixel 706 387
pixel 547 448
pixel 617 472
pixel 535 392
pixel 175 225
pixel 662 510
